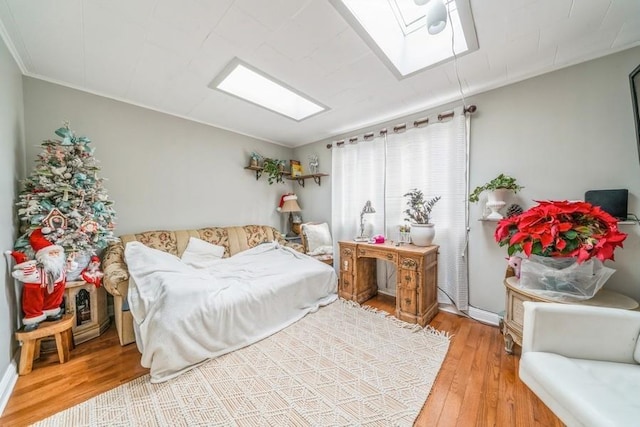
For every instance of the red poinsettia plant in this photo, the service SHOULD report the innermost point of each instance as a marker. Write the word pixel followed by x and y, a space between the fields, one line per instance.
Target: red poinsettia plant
pixel 561 229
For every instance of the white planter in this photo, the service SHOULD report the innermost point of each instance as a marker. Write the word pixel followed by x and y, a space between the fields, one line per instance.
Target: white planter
pixel 498 195
pixel 496 200
pixel 422 234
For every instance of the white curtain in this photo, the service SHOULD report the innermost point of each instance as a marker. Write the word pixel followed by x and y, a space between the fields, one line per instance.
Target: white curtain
pixel 433 159
pixel 357 175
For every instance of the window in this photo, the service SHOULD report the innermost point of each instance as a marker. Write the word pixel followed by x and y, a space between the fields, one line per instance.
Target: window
pixel 396 30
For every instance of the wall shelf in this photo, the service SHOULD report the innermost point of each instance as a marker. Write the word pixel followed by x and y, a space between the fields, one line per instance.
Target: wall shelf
pixel 258 171
pixel 316 178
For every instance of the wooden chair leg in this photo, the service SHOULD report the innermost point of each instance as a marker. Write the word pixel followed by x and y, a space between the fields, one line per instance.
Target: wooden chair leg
pixel 36 352
pixel 69 335
pixel 26 357
pixel 62 343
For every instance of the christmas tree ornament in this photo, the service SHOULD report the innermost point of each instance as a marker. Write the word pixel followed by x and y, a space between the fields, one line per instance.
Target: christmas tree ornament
pixel 89 227
pixel 55 220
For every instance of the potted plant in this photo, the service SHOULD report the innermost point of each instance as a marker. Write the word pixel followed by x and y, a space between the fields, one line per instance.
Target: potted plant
pixel 254 159
pixel 565 244
pixel 501 182
pixel 418 213
pixel 273 169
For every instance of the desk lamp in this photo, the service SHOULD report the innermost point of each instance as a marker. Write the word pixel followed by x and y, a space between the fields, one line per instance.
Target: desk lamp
pixel 367 209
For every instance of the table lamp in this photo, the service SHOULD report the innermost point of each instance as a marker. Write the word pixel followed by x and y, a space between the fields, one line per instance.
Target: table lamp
pixel 290 205
pixel 367 209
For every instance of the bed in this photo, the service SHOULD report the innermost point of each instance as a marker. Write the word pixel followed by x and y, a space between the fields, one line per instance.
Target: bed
pixel 184 316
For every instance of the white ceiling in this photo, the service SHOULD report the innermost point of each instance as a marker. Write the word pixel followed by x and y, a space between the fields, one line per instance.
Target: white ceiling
pixel 162 54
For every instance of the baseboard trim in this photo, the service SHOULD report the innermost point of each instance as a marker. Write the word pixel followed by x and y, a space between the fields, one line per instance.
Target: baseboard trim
pixel 8 381
pixel 484 316
pixel 478 314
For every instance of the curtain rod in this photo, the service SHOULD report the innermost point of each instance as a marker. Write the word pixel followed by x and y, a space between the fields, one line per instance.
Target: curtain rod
pixel 469 109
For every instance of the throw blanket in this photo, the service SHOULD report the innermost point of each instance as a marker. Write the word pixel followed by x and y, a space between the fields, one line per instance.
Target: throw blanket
pixel 186 316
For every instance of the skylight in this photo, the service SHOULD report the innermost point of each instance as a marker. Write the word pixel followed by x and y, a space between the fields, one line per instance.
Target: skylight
pixel 396 30
pixel 243 81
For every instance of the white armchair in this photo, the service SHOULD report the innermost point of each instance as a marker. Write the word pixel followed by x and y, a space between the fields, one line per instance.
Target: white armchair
pixel 583 362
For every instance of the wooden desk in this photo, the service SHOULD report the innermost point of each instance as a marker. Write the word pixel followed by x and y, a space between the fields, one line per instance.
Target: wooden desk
pixel 417 277
pixel 514 316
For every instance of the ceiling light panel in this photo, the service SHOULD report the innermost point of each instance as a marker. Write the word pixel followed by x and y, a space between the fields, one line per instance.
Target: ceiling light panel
pixel 250 84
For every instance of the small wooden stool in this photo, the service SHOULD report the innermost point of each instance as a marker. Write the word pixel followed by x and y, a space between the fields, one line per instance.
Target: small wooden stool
pixel 61 329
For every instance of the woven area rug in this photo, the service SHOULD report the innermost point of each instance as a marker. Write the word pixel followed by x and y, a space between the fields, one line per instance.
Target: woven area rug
pixel 344 365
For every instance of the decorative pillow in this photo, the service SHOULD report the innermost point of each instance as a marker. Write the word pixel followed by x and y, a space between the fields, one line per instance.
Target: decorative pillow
pixel 201 254
pixel 318 238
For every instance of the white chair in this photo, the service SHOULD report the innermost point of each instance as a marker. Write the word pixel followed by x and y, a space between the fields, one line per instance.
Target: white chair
pixel 583 362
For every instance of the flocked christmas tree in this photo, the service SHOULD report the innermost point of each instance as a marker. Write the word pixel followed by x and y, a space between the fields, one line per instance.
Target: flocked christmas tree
pixel 64 196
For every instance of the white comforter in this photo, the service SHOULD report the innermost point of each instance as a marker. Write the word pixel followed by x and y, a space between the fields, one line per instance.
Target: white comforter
pixel 186 316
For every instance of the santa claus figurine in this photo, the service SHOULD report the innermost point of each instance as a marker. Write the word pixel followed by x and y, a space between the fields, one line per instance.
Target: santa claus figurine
pixel 92 273
pixel 44 281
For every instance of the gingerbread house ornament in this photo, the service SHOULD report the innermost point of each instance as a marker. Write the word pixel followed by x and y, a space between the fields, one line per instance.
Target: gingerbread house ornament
pixel 55 220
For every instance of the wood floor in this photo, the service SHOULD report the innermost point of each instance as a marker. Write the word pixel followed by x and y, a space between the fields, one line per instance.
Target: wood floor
pixel 478 384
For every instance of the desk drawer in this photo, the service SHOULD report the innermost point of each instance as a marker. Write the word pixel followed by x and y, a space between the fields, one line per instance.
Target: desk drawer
pixel 384 254
pixel 345 286
pixel 347 259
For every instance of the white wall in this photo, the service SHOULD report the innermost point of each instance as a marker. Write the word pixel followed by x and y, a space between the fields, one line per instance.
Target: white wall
pixel 559 135
pixel 11 171
pixel 161 171
pixel 314 200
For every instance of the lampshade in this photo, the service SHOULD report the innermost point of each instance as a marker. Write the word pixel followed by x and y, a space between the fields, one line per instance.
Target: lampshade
pixel 436 17
pixel 420 2
pixel 368 208
pixel 290 206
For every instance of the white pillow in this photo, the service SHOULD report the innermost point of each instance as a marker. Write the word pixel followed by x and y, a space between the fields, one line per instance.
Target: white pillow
pixel 318 238
pixel 201 254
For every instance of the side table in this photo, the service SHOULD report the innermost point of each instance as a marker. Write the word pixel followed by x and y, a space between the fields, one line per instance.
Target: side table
pixel 89 304
pixel 514 316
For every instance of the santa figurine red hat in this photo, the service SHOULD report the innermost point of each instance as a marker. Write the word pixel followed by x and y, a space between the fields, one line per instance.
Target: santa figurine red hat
pixel 43 281
pixel 41 244
pixel 284 198
pixel 92 273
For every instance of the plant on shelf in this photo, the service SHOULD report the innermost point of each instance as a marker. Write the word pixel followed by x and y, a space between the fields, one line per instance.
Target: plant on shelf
pixel 273 168
pixel 419 209
pixel 502 181
pixel 254 159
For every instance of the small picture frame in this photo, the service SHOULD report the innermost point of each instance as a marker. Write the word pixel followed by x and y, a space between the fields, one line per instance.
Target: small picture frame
pixel 297 218
pixel 296 168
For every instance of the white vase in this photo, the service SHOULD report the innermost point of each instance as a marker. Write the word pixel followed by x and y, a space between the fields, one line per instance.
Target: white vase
pixel 422 234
